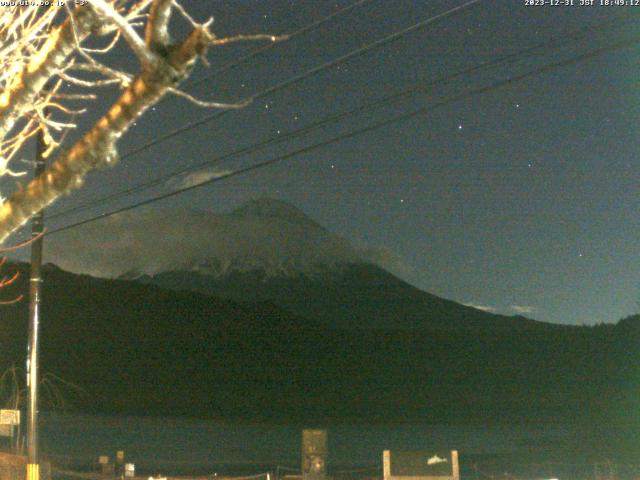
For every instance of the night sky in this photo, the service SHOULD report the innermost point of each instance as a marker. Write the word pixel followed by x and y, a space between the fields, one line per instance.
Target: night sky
pixel 521 199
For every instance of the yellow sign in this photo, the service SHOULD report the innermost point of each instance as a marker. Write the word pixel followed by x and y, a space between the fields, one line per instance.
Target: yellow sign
pixel 9 417
pixel 33 471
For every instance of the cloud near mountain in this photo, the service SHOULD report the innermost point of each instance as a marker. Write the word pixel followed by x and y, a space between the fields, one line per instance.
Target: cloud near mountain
pixel 484 308
pixel 198 177
pixel 262 234
pixel 522 309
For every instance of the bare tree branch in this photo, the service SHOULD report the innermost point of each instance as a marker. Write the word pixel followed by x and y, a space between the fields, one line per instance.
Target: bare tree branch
pixel 108 47
pixel 18 299
pixel 88 83
pixel 248 38
pixel 13 248
pixel 114 76
pixel 206 104
pixel 188 17
pixel 28 83
pixel 156 34
pixel 163 65
pixel 144 54
pixel 97 148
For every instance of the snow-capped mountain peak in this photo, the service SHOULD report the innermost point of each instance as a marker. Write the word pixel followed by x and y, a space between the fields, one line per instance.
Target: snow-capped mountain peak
pixel 265 235
pixel 269 208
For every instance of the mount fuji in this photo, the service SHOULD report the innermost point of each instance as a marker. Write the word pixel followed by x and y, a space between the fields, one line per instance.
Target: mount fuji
pixel 265 251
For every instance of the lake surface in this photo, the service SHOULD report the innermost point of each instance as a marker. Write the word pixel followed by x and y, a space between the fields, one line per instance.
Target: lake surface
pixel 182 445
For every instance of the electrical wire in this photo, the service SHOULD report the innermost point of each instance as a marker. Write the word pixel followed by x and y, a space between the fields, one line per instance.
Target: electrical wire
pixel 259 51
pixel 363 130
pixel 383 101
pixel 303 76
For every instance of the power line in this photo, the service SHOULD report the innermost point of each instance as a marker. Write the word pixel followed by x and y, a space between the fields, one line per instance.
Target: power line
pixel 386 100
pixel 303 76
pixel 298 78
pixel 225 68
pixel 354 133
pixel 259 51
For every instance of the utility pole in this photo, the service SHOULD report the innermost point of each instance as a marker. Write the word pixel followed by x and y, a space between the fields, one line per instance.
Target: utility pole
pixel 35 283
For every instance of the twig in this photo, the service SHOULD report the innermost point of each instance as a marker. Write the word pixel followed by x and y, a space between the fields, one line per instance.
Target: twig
pixel 248 38
pixel 146 57
pixel 205 104
pixel 20 245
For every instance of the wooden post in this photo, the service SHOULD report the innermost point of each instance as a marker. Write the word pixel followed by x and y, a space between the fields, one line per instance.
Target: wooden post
pixel 455 466
pixel 35 287
pixel 386 464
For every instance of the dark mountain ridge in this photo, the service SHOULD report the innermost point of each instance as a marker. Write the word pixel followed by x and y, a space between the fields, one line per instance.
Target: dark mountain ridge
pixel 351 296
pixel 142 349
